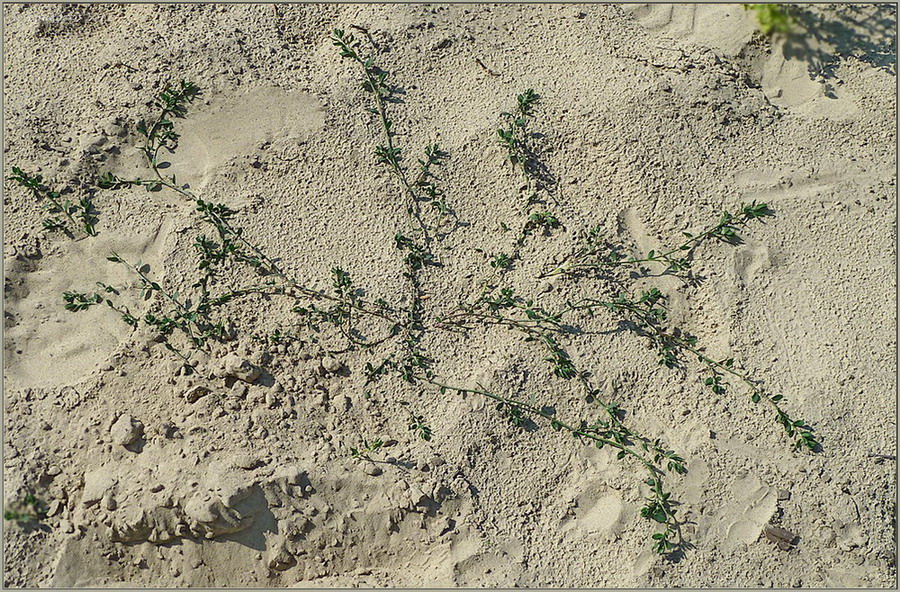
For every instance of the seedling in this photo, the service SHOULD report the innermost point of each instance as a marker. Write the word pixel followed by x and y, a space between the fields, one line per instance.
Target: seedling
pixel 544 220
pixel 30 509
pixel 367 447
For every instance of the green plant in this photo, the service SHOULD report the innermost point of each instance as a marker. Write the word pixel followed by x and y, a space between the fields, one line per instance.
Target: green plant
pixel 649 315
pixel 225 252
pixel 772 18
pixel 514 135
pixel 596 254
pixel 367 447
pixel 29 509
pixel 77 217
pixel 227 249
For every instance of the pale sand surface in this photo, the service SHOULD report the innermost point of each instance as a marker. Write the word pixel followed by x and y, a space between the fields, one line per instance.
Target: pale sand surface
pixel 653 119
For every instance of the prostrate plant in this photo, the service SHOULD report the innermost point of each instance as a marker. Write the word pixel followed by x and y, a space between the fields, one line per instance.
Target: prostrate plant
pixel 419 190
pixel 77 217
pixel 227 253
pixel 515 139
pixel 417 244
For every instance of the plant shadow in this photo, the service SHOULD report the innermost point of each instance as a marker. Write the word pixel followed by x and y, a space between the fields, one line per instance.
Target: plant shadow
pixel 832 32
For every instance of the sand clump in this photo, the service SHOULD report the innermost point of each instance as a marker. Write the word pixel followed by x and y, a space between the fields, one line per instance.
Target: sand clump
pixel 236 469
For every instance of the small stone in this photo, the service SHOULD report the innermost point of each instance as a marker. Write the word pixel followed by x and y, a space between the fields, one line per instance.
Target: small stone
pixel 108 501
pixel 53 470
pixel 113 127
pixel 331 365
pixel 239 368
pixel 66 526
pixel 437 461
pixel 372 469
pixel 56 506
pixel 271 400
pixel 167 429
pixel 783 494
pixel 126 430
pixel 193 394
pixel 239 390
pixel 246 461
pixel 136 86
pixel 780 536
pixel 96 484
pixel 281 560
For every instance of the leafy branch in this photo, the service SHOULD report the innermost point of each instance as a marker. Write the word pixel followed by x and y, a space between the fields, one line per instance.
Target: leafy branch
pixel 649 314
pixel 76 216
pixel 659 508
pixel 596 254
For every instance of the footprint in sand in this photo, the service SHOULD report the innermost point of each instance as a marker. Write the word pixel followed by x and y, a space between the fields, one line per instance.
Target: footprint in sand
pixel 749 259
pixel 726 28
pixel 237 126
pixel 630 223
pixel 594 512
pixel 741 520
pixel 48 346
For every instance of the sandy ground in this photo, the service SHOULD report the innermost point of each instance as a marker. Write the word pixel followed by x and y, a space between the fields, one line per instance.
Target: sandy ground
pixel 652 120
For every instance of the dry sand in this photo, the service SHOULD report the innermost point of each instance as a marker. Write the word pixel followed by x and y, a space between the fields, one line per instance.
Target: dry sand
pixel 653 120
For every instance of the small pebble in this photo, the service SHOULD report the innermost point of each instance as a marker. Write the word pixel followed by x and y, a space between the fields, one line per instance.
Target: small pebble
pixel 372 469
pixel 126 430
pixel 167 429
pixel 330 364
pixel 234 365
pixel 56 506
pixel 193 395
pixel 783 494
